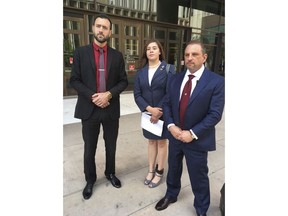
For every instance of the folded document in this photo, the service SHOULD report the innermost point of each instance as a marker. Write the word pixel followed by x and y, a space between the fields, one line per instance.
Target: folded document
pixel 156 128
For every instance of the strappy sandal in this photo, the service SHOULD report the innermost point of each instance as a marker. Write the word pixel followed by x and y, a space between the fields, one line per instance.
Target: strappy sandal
pixel 147 181
pixel 152 184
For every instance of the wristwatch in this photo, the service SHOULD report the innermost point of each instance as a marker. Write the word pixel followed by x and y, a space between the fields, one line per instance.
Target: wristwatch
pixel 109 95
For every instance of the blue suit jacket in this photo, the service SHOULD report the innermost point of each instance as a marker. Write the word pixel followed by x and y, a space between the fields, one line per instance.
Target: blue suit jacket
pixel 203 112
pixel 153 95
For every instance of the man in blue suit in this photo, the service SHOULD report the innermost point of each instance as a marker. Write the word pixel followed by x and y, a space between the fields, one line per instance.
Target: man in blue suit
pixel 192 128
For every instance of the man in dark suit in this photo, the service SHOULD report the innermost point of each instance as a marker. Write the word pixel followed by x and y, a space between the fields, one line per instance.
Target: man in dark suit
pixel 99 76
pixel 192 126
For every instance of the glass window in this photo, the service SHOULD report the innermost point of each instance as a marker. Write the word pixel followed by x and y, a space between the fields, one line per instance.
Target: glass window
pixel 131 47
pixel 206 37
pixel 173 54
pixel 71 42
pixel 130 31
pixel 210 51
pixel 185 36
pixel 172 35
pixel 195 36
pixel 115 29
pixel 159 34
pixel 114 43
pixel 147 30
pixel 71 25
pixel 90 22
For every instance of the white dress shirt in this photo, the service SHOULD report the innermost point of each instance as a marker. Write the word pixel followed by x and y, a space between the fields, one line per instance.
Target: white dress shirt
pixel 197 75
pixel 194 81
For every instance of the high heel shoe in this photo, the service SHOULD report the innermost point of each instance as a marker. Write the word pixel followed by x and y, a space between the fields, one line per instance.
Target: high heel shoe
pixel 158 173
pixel 147 181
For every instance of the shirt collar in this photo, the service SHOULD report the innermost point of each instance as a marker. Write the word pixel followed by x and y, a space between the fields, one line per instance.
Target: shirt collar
pixel 96 47
pixel 197 74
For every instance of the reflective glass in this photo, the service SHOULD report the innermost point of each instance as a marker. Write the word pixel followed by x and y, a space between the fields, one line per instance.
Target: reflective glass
pixel 173 36
pixel 115 29
pixel 130 31
pixel 114 43
pixel 131 47
pixel 160 34
pixel 147 30
pixel 71 25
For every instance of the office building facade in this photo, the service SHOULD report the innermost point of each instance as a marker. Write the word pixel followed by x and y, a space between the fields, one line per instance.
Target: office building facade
pixel 172 22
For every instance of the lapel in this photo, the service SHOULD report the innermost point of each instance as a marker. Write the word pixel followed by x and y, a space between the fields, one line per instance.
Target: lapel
pixel 144 73
pixel 202 82
pixel 177 87
pixel 159 71
pixel 91 56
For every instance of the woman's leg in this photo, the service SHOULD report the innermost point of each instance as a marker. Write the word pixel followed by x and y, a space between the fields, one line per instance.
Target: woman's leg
pixel 152 153
pixel 162 150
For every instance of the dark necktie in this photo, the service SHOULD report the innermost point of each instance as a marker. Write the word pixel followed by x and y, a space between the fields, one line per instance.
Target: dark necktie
pixel 102 79
pixel 185 98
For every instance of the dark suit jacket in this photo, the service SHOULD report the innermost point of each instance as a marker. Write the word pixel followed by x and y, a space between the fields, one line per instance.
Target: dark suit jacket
pixel 83 80
pixel 153 95
pixel 203 112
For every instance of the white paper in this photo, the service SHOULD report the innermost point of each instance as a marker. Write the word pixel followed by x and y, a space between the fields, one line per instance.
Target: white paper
pixel 156 128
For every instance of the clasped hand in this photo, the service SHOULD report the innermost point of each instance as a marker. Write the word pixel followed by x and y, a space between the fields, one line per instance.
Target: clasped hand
pixel 100 99
pixel 182 135
pixel 156 114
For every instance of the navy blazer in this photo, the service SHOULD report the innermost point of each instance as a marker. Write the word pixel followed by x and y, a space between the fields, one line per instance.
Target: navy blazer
pixel 203 112
pixel 153 95
pixel 83 80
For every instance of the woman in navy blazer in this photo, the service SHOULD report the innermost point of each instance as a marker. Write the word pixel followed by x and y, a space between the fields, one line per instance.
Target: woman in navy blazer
pixel 196 135
pixel 150 87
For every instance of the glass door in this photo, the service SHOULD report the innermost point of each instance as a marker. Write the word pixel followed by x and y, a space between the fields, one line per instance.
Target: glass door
pixel 171 41
pixel 173 47
pixel 72 38
pixel 131 36
pixel 160 34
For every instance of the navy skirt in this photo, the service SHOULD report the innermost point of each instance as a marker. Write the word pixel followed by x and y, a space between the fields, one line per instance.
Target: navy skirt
pixel 149 135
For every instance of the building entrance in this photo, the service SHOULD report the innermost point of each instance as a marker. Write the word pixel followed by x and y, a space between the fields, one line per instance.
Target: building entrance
pixel 128 36
pixel 73 37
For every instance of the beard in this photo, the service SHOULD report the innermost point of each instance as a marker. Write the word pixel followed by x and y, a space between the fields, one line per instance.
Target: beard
pixel 101 38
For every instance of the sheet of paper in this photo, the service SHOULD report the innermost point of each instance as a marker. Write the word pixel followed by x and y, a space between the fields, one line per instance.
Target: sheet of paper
pixel 152 128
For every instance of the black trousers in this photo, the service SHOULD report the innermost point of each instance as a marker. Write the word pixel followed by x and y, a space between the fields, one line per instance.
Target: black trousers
pixel 90 133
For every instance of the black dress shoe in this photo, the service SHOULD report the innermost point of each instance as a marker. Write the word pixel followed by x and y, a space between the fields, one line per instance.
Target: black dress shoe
pixel 114 180
pixel 88 190
pixel 163 203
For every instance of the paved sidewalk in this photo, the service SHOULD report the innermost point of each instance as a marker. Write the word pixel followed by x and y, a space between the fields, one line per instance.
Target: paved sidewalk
pixel 133 198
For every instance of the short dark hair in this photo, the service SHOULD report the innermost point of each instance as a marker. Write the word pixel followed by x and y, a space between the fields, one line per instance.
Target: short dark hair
pixel 199 43
pixel 103 16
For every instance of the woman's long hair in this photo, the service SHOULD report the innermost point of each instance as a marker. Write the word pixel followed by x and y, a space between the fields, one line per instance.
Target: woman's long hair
pixel 144 59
